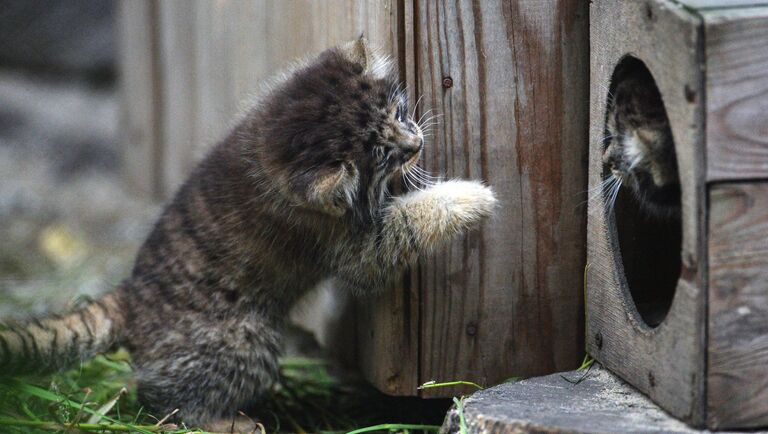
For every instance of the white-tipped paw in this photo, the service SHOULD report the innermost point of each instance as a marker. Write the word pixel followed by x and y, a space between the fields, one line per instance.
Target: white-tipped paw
pixel 466 201
pixel 449 207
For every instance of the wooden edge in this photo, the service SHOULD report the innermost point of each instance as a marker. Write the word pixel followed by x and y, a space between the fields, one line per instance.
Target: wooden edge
pixel 667 362
pixel 388 324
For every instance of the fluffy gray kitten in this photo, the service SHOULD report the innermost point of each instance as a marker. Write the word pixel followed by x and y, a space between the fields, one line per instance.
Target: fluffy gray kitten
pixel 295 194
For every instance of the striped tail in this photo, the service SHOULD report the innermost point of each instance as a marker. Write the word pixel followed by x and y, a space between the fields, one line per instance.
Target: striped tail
pixel 59 341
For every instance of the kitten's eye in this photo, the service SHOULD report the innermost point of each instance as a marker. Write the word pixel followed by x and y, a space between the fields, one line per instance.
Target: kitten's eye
pixel 400 113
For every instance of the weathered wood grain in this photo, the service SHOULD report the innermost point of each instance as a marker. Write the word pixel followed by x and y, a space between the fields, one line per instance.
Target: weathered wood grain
pixel 737 364
pixel 510 81
pixel 737 93
pixel 387 327
pixel 601 403
pixel 666 362
pixel 703 5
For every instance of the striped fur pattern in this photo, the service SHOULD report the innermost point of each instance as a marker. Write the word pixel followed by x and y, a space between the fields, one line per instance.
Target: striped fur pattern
pixel 59 340
pixel 295 194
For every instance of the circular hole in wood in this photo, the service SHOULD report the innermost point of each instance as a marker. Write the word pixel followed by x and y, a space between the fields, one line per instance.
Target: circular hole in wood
pixel 642 198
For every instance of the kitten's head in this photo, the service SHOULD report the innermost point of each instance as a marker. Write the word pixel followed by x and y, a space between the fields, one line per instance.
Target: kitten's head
pixel 337 129
pixel 639 148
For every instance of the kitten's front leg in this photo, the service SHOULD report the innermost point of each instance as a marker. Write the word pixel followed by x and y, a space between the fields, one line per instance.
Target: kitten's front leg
pixel 413 224
pixel 421 220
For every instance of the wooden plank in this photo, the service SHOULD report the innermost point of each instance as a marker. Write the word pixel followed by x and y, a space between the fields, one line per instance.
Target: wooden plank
pixel 666 362
pixel 737 93
pixel 701 5
pixel 388 324
pixel 737 366
pixel 510 79
pixel 139 94
pixel 601 403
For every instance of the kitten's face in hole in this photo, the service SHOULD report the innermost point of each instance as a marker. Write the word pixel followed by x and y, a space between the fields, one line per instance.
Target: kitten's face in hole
pixel 338 129
pixel 639 148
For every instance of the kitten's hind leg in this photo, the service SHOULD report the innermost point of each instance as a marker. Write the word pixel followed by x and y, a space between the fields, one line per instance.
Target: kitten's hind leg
pixel 209 375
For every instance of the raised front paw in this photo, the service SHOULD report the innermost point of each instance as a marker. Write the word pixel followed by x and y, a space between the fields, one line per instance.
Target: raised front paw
pixel 445 209
pixel 463 201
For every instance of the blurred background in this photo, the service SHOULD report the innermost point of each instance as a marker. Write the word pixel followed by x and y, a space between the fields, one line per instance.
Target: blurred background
pixel 68 225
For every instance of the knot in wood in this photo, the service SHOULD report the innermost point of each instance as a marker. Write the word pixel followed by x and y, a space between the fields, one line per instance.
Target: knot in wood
pixel 447 82
pixel 471 329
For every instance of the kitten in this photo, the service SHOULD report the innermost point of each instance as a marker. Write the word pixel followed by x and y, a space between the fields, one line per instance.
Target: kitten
pixel 296 193
pixel 640 151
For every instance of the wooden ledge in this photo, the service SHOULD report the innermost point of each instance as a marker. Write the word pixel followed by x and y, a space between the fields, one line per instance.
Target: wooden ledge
pixel 600 403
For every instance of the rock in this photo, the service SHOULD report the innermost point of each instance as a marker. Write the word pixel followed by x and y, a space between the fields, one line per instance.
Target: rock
pixel 600 403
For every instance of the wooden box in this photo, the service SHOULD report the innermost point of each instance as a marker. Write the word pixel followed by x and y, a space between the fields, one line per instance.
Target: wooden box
pixel 680 311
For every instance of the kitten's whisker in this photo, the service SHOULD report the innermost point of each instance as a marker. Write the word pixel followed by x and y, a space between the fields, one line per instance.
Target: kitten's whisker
pixel 415 106
pixel 611 203
pixel 423 171
pixel 606 89
pixel 431 121
pixel 406 181
pixel 409 175
pixel 601 190
pixel 599 185
pixel 426 182
pixel 430 118
pixel 425 114
pixel 425 175
pixel 396 91
pixel 416 178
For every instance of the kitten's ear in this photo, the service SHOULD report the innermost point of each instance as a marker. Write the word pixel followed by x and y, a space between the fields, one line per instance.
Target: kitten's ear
pixel 357 51
pixel 332 189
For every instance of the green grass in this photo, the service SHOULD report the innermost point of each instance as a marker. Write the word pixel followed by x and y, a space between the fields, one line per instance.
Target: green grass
pixel 99 397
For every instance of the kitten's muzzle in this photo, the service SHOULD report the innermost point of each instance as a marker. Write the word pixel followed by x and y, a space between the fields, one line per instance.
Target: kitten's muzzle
pixel 412 155
pixel 410 149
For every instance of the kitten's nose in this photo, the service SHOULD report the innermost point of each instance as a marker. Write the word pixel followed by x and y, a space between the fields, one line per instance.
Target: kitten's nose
pixel 411 148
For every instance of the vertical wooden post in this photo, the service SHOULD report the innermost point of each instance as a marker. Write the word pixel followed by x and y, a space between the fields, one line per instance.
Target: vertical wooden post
pixel 509 81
